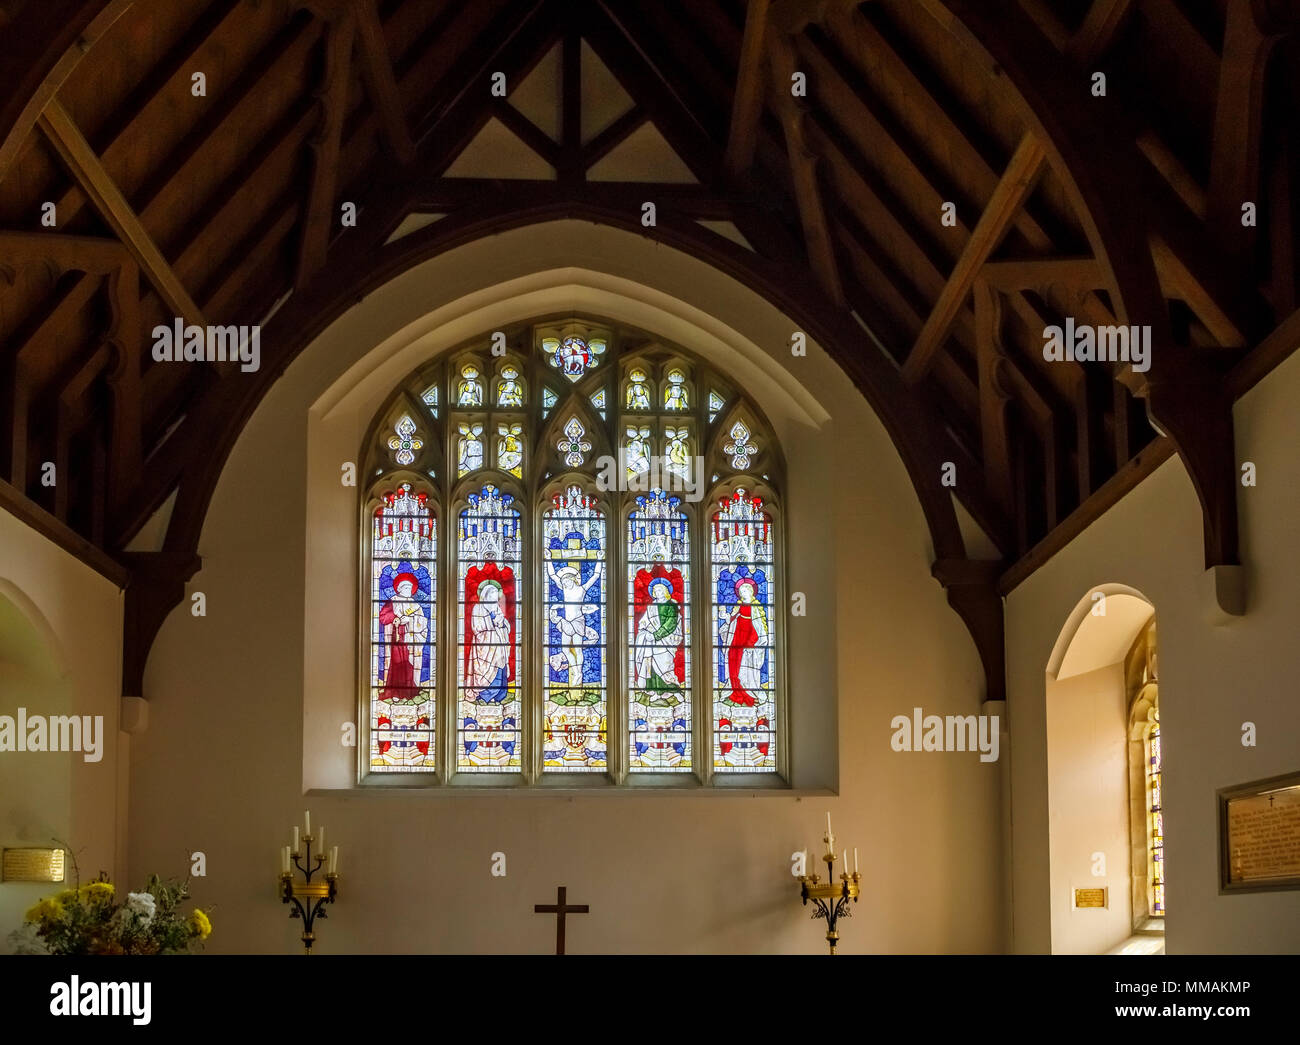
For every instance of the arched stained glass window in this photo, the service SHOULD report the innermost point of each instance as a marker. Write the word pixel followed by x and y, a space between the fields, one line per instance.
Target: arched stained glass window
pixel 607 511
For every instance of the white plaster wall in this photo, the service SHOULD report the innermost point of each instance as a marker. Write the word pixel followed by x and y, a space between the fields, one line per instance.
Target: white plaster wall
pixel 1212 678
pixel 60 654
pixel 1087 750
pixel 224 764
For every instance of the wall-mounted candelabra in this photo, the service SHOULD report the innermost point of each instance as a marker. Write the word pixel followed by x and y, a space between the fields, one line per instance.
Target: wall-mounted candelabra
pixel 831 897
pixel 308 898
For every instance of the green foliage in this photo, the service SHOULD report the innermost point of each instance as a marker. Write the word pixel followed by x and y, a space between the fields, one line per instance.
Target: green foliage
pixel 92 919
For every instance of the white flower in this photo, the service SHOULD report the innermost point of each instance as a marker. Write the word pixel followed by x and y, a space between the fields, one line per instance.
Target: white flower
pixel 142 905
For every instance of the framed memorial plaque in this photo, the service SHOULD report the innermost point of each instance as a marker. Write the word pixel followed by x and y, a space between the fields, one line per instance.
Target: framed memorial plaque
pixel 1259 835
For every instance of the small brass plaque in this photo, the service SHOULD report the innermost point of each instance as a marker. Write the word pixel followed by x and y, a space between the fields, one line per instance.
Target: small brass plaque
pixel 1090 897
pixel 31 865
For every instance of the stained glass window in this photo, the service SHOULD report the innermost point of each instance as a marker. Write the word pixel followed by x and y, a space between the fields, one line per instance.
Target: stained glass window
pixel 659 635
pixel 573 356
pixel 575 709
pixel 636 450
pixel 489 620
pixel 1154 765
pixel 638 392
pixel 509 391
pixel 694 657
pixel 676 394
pixel 469 448
pixel 744 646
pixel 404 443
pixel 403 638
pixel 677 452
pixel 469 390
pixel 572 444
pixel 510 449
pixel 716 403
pixel 741 449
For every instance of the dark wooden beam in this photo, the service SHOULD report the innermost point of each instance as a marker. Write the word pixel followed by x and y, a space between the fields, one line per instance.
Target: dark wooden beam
pixel 29 512
pixel 332 96
pixel 1110 493
pixel 55 35
pixel 1102 23
pixel 971 586
pixel 1017 183
pixel 803 167
pixel 613 136
pixel 994 396
pixel 1238 123
pixel 381 84
pixel 1185 399
pixel 1032 273
pixel 530 134
pixel 157 586
pixel 748 101
pixel 84 165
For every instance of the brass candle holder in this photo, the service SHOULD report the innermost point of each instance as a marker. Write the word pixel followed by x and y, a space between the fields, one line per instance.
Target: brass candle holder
pixel 307 897
pixel 831 897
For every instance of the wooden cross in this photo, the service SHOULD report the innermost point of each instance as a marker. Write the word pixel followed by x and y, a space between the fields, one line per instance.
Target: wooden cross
pixel 560 909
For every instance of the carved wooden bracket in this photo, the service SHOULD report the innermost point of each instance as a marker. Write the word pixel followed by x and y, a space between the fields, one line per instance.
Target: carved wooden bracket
pixel 157 584
pixel 972 591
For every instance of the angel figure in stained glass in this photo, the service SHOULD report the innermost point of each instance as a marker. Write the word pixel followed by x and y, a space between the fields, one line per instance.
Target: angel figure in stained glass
pixel 470 448
pixel 469 391
pixel 510 449
pixel 676 395
pixel 677 452
pixel 509 391
pixel 638 395
pixel 636 451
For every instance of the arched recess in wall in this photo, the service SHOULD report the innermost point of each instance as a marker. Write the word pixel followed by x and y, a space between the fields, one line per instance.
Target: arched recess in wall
pixel 1094 684
pixel 35 787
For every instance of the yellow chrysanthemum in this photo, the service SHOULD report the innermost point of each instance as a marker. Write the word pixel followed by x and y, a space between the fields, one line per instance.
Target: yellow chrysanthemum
pixel 48 910
pixel 97 891
pixel 200 923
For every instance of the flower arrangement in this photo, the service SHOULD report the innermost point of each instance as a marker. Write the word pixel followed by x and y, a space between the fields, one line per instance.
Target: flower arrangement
pixel 89 919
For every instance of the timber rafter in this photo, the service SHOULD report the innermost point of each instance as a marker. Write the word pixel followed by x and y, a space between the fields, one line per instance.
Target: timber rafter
pixel 924 230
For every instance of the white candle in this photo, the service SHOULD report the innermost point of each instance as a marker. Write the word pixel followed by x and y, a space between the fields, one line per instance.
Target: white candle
pixel 334 860
pixel 284 860
pixel 846 860
pixel 295 838
pixel 828 825
pixel 320 840
pixel 855 859
pixel 307 822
